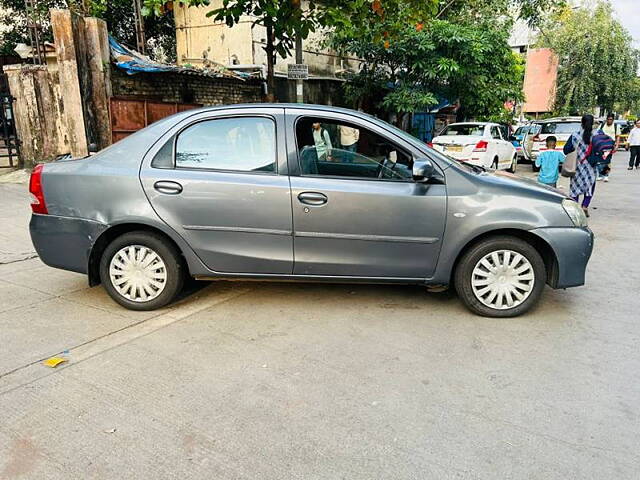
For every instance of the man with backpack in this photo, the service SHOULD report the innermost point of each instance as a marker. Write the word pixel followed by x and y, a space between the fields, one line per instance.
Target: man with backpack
pixel 322 141
pixel 611 130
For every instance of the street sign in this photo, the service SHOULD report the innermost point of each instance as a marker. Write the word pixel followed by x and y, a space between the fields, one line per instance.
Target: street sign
pixel 297 71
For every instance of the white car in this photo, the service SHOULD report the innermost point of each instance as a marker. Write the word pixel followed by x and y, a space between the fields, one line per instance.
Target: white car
pixel 561 128
pixel 484 144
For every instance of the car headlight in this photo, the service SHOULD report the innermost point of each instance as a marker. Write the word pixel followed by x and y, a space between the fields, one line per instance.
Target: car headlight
pixel 575 212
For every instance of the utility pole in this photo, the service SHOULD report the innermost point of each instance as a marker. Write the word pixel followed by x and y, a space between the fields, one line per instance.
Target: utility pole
pixel 299 82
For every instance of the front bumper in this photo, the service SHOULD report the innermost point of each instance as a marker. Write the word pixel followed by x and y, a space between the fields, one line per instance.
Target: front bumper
pixel 572 247
pixel 64 242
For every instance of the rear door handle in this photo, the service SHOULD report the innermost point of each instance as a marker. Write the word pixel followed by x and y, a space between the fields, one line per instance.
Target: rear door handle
pixel 168 187
pixel 312 198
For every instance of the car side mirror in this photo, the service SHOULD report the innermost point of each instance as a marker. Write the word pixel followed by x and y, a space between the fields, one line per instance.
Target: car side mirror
pixel 423 170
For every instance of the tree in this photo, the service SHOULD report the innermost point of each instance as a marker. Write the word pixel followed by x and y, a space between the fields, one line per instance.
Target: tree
pixel 284 20
pixel 412 60
pixel 117 13
pixel 597 61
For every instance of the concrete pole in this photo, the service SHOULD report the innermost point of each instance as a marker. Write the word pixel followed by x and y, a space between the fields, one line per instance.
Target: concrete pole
pixel 299 83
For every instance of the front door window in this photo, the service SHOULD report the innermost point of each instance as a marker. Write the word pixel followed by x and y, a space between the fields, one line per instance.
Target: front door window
pixel 330 148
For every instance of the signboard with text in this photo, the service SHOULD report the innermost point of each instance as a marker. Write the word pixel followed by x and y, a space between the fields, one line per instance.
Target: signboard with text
pixel 297 71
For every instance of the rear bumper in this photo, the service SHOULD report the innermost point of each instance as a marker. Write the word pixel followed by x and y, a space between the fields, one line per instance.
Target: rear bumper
pixel 64 242
pixel 572 247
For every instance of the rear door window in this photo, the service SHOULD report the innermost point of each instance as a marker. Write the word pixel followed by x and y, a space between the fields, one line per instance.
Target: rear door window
pixel 238 144
pixel 560 127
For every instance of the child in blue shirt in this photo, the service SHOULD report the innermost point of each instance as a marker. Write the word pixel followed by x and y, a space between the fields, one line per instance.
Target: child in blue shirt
pixel 549 162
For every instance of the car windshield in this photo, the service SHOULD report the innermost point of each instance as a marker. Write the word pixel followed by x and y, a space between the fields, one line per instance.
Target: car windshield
pixel 471 130
pixel 521 130
pixel 560 127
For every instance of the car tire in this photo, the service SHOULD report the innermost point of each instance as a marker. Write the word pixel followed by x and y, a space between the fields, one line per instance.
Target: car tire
pixel 514 164
pixel 534 168
pixel 494 165
pixel 148 263
pixel 521 276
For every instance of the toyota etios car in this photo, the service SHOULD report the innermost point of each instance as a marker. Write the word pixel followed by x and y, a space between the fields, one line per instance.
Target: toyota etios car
pixel 305 193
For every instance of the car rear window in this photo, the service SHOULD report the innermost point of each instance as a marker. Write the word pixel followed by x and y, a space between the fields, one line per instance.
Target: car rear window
pixel 473 130
pixel 560 127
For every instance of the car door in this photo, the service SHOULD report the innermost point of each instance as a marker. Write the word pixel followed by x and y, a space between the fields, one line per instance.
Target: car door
pixel 508 148
pixel 498 145
pixel 220 180
pixel 352 220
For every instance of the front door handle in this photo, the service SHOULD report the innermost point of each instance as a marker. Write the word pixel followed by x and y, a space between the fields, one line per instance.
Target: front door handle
pixel 168 187
pixel 312 198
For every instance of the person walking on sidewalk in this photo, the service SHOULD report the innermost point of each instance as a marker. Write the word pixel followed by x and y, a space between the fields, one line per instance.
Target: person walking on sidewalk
pixel 583 183
pixel 634 146
pixel 611 130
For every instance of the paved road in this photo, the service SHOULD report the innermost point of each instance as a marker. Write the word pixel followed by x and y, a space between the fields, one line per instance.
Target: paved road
pixel 278 381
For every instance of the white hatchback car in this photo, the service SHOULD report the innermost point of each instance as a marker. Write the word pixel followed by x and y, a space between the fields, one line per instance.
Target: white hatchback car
pixel 561 128
pixel 478 143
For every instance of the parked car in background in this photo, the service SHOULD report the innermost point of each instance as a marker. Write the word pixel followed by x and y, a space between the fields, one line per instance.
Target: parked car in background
pixel 560 127
pixel 624 128
pixel 518 140
pixel 268 192
pixel 483 144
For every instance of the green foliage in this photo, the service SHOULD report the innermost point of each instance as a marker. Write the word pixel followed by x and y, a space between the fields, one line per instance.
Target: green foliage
pixel 410 66
pixel 597 62
pixel 117 13
pixel 284 18
pixel 630 101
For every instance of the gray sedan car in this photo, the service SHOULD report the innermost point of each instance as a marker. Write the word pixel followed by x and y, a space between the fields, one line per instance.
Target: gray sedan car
pixel 301 193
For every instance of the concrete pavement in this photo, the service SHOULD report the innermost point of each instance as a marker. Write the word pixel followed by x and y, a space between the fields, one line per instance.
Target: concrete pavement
pixel 273 381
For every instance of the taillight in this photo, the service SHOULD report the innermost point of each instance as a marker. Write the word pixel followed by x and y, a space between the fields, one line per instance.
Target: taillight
pixel 429 144
pixel 35 188
pixel 481 146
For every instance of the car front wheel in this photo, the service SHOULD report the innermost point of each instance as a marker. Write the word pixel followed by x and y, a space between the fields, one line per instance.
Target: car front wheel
pixel 514 164
pixel 141 271
pixel 500 277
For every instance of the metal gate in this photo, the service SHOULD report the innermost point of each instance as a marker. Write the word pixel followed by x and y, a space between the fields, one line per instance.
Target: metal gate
pixel 9 143
pixel 128 115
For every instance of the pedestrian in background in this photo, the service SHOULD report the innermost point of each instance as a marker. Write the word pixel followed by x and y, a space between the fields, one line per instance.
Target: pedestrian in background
pixel 549 162
pixel 349 137
pixel 611 130
pixel 634 146
pixel 322 141
pixel 583 183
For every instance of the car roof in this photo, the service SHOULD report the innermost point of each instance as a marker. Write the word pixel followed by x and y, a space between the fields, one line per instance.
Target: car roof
pixel 560 120
pixel 245 106
pixel 472 123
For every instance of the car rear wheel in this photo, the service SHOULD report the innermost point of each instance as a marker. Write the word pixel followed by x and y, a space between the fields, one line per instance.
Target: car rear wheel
pixel 141 271
pixel 514 164
pixel 500 277
pixel 494 165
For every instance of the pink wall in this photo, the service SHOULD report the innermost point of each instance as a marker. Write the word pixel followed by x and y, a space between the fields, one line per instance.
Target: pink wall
pixel 540 80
